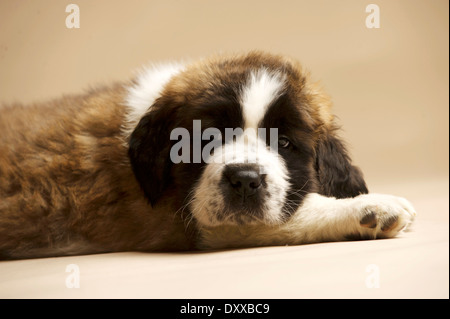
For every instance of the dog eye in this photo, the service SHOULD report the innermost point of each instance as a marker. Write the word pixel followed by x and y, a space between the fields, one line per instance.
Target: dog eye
pixel 283 141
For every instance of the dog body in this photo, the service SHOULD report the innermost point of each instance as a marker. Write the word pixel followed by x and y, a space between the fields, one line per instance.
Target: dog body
pixel 67 186
pixel 102 172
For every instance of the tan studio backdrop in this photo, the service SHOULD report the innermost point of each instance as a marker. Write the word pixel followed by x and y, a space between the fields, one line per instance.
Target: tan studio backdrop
pixel 389 84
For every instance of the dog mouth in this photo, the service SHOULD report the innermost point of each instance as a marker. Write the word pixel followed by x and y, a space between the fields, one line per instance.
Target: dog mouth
pixel 242 187
pixel 241 197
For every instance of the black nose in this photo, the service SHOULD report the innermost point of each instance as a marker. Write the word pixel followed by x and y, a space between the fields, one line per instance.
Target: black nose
pixel 245 180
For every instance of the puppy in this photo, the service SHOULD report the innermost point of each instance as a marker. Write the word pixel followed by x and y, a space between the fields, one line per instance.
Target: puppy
pixel 231 151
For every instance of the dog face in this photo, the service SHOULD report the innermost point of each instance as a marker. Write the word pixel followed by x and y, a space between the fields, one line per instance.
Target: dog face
pixel 237 139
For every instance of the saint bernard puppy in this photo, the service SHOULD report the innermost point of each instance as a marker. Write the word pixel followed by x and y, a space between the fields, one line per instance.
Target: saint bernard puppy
pixel 166 162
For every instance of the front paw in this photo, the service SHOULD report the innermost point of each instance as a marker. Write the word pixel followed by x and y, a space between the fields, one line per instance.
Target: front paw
pixel 384 216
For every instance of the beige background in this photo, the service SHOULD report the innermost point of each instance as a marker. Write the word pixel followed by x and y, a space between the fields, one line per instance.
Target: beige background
pixel 389 87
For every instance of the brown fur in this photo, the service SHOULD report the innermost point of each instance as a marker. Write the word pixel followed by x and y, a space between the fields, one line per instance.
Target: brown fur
pixel 196 81
pixel 66 185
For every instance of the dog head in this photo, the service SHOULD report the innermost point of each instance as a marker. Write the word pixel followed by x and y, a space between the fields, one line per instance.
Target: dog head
pixel 239 139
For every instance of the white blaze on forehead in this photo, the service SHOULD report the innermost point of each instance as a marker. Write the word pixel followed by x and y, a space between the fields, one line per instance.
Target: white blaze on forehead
pixel 262 88
pixel 150 82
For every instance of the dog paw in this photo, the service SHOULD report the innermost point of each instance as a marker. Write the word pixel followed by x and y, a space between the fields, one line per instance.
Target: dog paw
pixel 384 216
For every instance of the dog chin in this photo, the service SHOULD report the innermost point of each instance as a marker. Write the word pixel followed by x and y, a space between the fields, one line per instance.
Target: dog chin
pixel 237 218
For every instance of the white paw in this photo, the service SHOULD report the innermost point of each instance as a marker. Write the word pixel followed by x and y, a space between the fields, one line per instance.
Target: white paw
pixel 383 216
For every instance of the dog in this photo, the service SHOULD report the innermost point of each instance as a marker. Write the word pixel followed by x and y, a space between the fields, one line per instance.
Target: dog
pixel 169 161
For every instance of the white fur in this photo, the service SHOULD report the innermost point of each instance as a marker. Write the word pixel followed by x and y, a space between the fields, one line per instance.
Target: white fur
pixel 318 219
pixel 149 84
pixel 261 89
pixel 208 200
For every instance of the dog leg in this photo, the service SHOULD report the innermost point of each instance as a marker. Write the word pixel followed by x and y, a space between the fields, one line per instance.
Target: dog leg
pixel 320 219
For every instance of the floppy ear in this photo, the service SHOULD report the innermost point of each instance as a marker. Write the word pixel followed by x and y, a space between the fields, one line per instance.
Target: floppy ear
pixel 337 176
pixel 149 148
